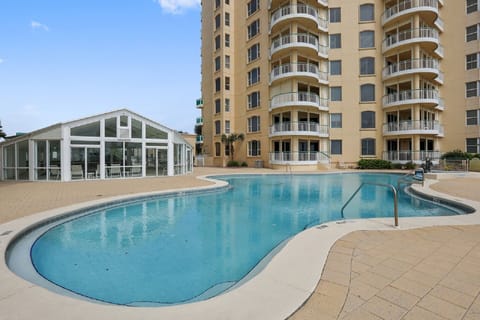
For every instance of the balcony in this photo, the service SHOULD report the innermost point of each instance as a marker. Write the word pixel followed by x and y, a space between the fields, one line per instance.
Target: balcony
pixel 298 158
pixel 427 8
pixel 299 41
pixel 301 69
pixel 408 127
pixel 320 2
pixel 199 139
pixel 299 11
pixel 199 103
pixel 292 99
pixel 301 128
pixel 429 68
pixel 199 121
pixel 428 37
pixel 404 156
pixel 428 97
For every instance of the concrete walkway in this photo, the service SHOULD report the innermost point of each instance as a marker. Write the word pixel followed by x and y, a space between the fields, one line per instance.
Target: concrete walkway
pixel 426 273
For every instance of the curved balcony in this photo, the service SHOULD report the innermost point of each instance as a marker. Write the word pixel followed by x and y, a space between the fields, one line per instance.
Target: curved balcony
pixel 306 99
pixel 428 37
pixel 403 156
pixel 298 11
pixel 301 69
pixel 323 3
pixel 428 9
pixel 429 68
pixel 301 128
pixel 428 97
pixel 299 158
pixel 299 41
pixel 409 127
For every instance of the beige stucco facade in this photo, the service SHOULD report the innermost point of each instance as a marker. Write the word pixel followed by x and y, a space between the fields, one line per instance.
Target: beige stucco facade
pixel 322 83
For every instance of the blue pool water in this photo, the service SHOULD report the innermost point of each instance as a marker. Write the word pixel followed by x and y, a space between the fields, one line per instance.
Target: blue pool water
pixel 175 249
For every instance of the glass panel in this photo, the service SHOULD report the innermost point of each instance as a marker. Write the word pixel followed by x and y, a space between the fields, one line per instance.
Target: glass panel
pixel 85 142
pixel 9 162
pixel 162 162
pixel 133 159
pixel 22 160
pixel 136 128
pixel 41 160
pixel 88 130
pixel 151 162
pixel 123 121
pixel 111 127
pixel 77 163
pixel 113 159
pixel 154 133
pixel 93 163
pixel 54 159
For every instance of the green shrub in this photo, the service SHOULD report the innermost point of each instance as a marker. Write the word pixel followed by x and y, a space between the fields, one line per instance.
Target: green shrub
pixel 233 163
pixel 409 165
pixel 456 155
pixel 244 164
pixel 374 164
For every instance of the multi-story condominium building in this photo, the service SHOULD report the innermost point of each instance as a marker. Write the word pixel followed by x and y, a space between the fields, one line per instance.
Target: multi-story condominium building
pixel 329 82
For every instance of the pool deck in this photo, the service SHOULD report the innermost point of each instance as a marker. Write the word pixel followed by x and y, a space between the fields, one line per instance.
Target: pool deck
pixel 427 268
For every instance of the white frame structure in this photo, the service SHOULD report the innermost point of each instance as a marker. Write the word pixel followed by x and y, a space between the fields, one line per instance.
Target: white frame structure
pixel 117 144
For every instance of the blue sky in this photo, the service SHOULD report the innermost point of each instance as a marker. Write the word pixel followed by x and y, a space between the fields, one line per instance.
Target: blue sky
pixel 63 60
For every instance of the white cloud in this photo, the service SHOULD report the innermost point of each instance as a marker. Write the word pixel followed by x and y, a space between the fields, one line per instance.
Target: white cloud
pixel 1 60
pixel 178 6
pixel 38 25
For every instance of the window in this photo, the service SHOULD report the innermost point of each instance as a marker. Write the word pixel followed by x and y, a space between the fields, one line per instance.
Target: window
pixel 227 62
pixel 367 66
pixel 253 29
pixel 472 6
pixel 227 1
pixel 218 63
pixel 368 147
pixel 335 67
pixel 111 127
pixel 254 124
pixel 472 145
pixel 227 105
pixel 471 89
pixel 254 148
pixel 335 41
pixel 254 76
pixel 217 42
pixel 154 133
pixel 335 146
pixel 217 127
pixel 217 4
pixel 227 19
pixel 367 92
pixel 368 120
pixel 218 85
pixel 253 52
pixel 217 21
pixel 367 39
pixel 335 120
pixel 367 12
pixel 471 61
pixel 218 106
pixel 227 83
pixel 335 15
pixel 227 40
pixel 136 128
pixel 335 93
pixel 252 7
pixel 227 126
pixel 87 130
pixel 217 149
pixel 472 33
pixel 473 117
pixel 254 100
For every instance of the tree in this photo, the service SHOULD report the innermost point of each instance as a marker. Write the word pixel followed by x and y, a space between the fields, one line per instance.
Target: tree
pixel 230 139
pixel 2 134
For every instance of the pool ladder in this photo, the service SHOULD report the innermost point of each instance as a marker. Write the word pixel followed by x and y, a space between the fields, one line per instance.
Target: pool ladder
pixel 391 187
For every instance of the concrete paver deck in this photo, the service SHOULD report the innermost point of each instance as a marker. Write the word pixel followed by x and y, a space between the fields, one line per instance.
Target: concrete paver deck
pixel 424 273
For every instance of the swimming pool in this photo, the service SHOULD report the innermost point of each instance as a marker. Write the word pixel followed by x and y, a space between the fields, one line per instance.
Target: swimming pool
pixel 170 250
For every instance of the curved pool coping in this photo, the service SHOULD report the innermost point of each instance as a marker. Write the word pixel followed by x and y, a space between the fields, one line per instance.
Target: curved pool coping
pixel 279 289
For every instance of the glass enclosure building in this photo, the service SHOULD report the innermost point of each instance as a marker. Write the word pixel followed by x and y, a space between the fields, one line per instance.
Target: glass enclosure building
pixel 118 144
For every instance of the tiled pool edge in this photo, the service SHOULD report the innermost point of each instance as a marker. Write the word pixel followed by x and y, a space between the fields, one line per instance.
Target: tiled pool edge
pixel 275 293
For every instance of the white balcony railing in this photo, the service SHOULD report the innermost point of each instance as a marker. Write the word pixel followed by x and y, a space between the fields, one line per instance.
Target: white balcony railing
pixel 409 66
pixel 411 35
pixel 299 157
pixel 413 126
pixel 430 96
pixel 407 6
pixel 300 99
pixel 411 156
pixel 294 40
pixel 298 69
pixel 297 11
pixel 300 127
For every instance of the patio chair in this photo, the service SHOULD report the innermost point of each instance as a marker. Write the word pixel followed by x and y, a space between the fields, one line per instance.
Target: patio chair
pixel 54 172
pixel 76 171
pixel 136 171
pixel 115 171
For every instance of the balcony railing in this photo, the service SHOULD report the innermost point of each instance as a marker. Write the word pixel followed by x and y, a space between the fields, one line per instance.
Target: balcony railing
pixel 413 96
pixel 420 34
pixel 409 66
pixel 295 40
pixel 411 156
pixel 299 98
pixel 301 68
pixel 300 127
pixel 290 157
pixel 199 121
pixel 199 103
pixel 199 139
pixel 299 10
pixel 409 6
pixel 407 126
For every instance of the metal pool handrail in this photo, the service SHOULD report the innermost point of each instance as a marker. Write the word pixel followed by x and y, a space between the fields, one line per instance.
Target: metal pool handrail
pixel 395 198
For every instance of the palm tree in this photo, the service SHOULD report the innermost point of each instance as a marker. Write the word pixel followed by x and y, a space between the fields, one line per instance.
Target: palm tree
pixel 230 139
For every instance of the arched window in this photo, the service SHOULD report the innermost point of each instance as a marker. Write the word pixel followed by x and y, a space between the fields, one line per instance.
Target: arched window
pixel 367 92
pixel 367 12
pixel 367 65
pixel 368 120
pixel 368 147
